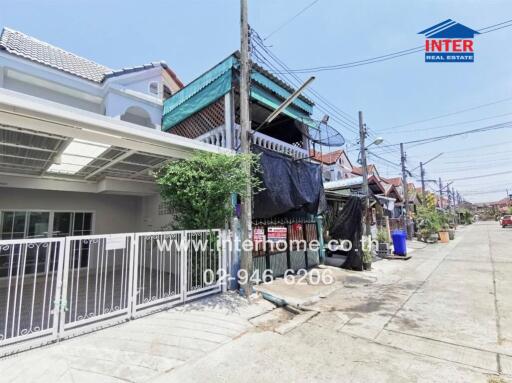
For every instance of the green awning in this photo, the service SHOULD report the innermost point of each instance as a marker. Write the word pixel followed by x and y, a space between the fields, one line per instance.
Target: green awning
pixel 273 102
pixel 279 90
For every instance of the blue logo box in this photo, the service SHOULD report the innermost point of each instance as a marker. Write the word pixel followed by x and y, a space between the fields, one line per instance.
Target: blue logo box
pixel 449 57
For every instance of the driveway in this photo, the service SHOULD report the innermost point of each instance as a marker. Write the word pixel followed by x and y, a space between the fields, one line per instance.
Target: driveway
pixel 444 315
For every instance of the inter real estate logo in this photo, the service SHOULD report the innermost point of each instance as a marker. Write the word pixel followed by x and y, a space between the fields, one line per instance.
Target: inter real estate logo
pixel 449 41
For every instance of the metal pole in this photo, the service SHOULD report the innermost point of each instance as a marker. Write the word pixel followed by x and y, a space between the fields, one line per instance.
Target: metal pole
pixel 440 193
pixel 245 128
pixel 422 181
pixel 405 189
pixel 366 205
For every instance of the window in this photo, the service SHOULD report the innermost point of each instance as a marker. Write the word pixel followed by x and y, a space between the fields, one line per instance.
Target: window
pixel 42 224
pixel 13 224
pixel 153 88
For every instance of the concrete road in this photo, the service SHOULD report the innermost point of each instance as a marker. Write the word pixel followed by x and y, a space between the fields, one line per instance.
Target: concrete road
pixel 443 316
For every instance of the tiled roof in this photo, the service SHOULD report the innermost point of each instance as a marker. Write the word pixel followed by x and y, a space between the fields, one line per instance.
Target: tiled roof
pixel 358 170
pixel 327 158
pixel 20 44
pixel 397 181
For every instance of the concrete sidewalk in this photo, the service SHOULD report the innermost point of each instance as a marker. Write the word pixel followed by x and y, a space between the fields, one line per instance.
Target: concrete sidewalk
pixel 434 318
pixel 141 349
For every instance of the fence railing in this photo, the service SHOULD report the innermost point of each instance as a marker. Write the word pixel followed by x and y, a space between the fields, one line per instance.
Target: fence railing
pixel 53 288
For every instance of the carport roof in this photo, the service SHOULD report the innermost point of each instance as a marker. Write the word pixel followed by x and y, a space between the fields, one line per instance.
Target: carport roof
pixel 34 133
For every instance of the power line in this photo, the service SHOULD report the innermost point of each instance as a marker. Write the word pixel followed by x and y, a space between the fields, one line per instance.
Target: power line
pixel 449 114
pixel 290 19
pixel 389 56
pixel 341 114
pixel 480 176
pixel 447 125
pixel 504 125
pixel 338 114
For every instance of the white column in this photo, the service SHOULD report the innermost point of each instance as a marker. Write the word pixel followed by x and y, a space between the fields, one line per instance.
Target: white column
pixel 228 120
pixel 2 73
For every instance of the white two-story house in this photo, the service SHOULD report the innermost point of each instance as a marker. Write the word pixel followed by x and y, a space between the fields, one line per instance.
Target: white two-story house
pixel 78 142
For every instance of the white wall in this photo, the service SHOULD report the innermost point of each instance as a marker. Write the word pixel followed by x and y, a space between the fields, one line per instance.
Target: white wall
pixel 116 105
pixel 50 95
pixel 150 219
pixel 113 213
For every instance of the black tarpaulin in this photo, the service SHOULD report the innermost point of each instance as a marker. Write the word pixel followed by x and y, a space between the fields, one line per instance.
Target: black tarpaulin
pixel 348 226
pixel 289 186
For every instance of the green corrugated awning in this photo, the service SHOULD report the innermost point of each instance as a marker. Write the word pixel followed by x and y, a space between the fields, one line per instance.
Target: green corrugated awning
pixel 198 94
pixel 279 90
pixel 273 102
pixel 218 81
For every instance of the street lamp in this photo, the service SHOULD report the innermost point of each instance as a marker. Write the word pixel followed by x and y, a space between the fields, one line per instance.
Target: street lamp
pixel 377 141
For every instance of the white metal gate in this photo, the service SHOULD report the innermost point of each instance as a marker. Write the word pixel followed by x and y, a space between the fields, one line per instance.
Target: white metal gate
pixel 52 288
pixel 31 271
pixel 176 266
pixel 97 277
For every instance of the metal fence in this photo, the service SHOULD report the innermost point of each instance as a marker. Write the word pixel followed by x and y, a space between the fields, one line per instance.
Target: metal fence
pixel 295 237
pixel 52 288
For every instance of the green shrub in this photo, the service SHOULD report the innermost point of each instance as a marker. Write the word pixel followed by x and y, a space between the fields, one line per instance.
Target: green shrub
pixel 199 189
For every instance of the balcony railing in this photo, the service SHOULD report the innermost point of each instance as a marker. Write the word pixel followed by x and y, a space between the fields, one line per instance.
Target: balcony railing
pixel 218 137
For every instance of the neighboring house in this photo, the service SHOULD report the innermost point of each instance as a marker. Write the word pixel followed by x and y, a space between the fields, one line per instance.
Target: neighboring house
pixel 335 165
pixel 78 142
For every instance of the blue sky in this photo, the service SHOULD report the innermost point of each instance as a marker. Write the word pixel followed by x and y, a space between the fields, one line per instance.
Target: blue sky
pixel 191 36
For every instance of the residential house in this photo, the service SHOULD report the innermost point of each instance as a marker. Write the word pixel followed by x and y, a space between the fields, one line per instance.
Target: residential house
pixel 78 142
pixel 335 165
pixel 208 110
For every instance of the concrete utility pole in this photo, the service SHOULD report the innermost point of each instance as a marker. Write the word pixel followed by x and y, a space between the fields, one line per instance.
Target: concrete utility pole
pixel 245 128
pixel 422 172
pixel 366 206
pixel 440 193
pixel 405 190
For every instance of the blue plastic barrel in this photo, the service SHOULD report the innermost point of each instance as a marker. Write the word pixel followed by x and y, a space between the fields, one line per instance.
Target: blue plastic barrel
pixel 399 242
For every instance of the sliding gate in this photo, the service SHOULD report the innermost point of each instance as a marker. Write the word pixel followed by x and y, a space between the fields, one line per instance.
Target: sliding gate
pixel 53 288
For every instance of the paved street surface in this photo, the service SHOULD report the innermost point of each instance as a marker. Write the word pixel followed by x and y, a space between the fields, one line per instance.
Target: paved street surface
pixel 443 316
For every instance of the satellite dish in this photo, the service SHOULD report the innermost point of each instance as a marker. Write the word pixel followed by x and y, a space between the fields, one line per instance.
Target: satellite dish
pixel 320 132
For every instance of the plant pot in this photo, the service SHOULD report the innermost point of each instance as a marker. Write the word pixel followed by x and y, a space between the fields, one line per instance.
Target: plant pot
pixel 384 249
pixel 451 234
pixel 444 237
pixel 383 246
pixel 367 266
pixel 432 238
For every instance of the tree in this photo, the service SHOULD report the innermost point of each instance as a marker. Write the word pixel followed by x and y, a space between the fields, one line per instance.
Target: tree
pixel 199 189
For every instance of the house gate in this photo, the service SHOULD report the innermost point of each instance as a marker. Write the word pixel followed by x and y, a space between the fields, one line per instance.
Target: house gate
pixel 53 288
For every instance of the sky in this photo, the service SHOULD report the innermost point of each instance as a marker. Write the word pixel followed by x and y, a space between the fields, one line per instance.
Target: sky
pixel 193 35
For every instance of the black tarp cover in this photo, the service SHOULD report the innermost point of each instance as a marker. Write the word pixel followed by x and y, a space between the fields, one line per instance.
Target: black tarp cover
pixel 289 186
pixel 348 226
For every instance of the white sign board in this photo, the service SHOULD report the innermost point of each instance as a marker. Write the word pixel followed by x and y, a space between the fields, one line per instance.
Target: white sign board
pixel 114 243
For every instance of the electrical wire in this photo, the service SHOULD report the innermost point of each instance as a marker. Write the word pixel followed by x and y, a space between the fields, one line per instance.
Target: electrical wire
pixel 448 114
pixel 504 125
pixel 290 19
pixel 389 56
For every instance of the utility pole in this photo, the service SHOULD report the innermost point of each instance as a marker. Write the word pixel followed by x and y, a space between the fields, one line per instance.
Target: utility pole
pixel 405 190
pixel 362 137
pixel 440 193
pixel 422 172
pixel 245 129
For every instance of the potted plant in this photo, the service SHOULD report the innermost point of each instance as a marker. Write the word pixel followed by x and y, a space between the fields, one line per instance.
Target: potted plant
pixel 444 237
pixel 383 240
pixel 429 223
pixel 367 257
